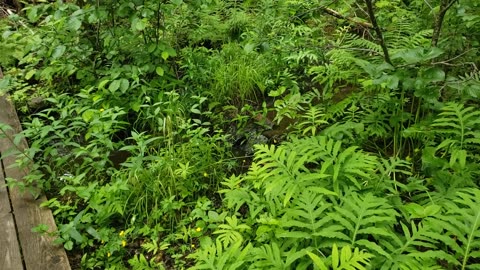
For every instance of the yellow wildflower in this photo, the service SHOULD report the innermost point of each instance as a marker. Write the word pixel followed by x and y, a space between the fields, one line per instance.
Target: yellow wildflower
pixel 198 229
pixel 205 174
pixel 124 243
pixel 193 245
pixel 102 109
pixel 122 233
pixel 109 254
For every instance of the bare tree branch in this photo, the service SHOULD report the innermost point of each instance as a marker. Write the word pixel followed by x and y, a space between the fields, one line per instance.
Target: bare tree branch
pixel 336 14
pixel 377 29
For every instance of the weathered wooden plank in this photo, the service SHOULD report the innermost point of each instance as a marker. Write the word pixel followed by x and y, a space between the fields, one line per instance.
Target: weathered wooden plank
pixel 10 256
pixel 39 253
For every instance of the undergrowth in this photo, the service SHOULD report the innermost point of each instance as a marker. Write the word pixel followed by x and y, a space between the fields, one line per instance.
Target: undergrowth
pixel 251 134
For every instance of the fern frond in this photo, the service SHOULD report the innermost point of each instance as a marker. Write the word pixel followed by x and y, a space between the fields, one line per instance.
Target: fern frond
pixel 405 250
pixel 459 228
pixel 345 259
pixel 218 256
pixel 458 124
pixel 365 216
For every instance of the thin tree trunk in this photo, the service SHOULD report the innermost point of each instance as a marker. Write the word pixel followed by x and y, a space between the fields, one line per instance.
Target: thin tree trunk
pixel 377 29
pixel 437 28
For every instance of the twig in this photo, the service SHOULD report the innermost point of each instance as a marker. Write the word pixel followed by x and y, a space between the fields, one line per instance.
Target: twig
pixel 451 59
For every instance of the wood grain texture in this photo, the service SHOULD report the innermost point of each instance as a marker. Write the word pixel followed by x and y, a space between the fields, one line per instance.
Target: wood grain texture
pixel 39 253
pixel 10 257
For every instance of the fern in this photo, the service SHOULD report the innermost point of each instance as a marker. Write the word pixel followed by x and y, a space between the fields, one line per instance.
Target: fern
pixel 459 228
pixel 308 218
pixel 272 256
pixel 346 259
pixel 311 120
pixel 458 126
pixel 364 217
pixel 467 85
pixel 404 250
pixel 215 256
pixel 232 231
pixel 349 164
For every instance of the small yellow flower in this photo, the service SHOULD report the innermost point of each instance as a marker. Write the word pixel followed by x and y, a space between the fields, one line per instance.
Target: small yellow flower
pixel 193 245
pixel 198 229
pixel 109 254
pixel 275 141
pixel 205 174
pixel 102 109
pixel 103 242
pixel 122 233
pixel 124 243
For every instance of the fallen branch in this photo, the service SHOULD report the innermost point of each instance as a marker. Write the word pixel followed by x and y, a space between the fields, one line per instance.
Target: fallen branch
pixel 338 15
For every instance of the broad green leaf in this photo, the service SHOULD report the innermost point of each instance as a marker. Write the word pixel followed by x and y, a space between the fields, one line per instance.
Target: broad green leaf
pixel 30 74
pixel 159 71
pixel 417 55
pixel 114 86
pixel 87 115
pixel 58 51
pixel 136 106
pixel 102 84
pixel 68 245
pixel 93 233
pixel 165 55
pixel 433 74
pixel 139 24
pixel 32 13
pixel 124 85
pixel 74 24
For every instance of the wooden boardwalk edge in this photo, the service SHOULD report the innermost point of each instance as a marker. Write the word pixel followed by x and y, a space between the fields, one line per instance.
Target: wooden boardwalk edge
pixel 10 255
pixel 37 251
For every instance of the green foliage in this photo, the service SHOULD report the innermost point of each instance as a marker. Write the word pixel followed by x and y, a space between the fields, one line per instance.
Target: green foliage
pixel 251 134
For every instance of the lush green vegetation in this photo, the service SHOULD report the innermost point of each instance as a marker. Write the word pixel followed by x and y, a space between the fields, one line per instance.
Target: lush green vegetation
pixel 225 134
